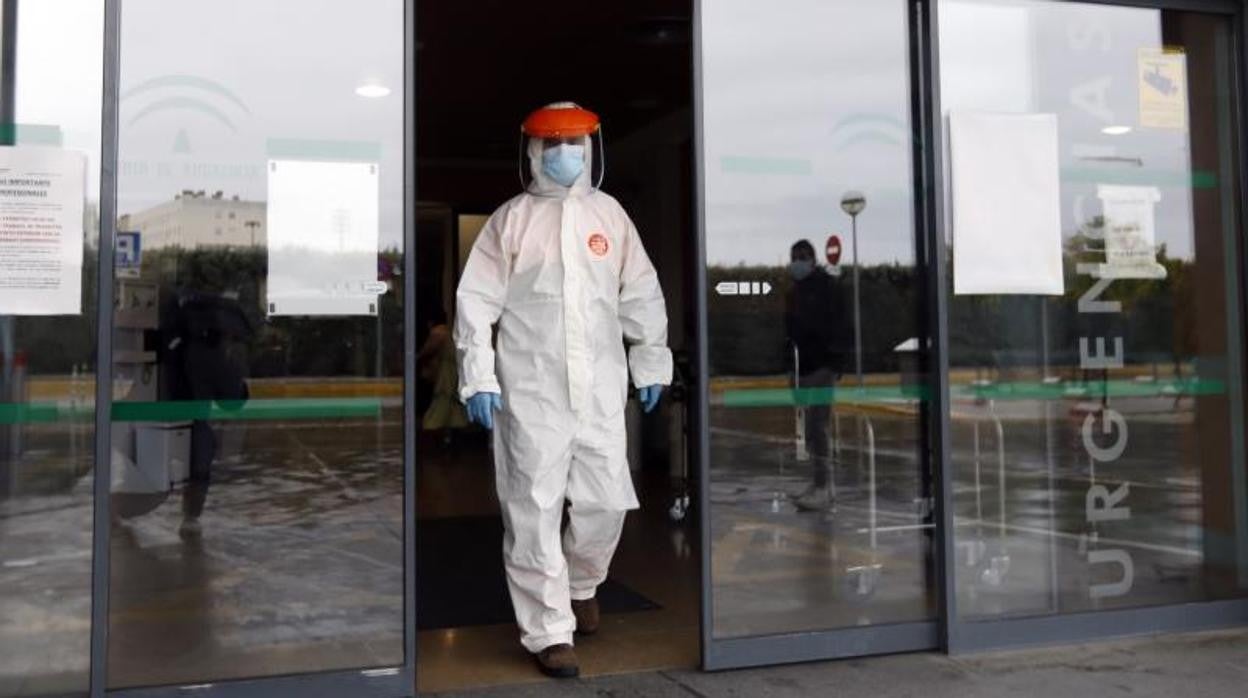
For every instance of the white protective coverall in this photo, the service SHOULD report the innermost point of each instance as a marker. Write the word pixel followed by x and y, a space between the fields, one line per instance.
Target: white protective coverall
pixel 563 273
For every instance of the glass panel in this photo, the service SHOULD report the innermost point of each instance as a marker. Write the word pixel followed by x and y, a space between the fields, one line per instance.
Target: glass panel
pixel 258 446
pixel 49 228
pixel 820 510
pixel 1097 412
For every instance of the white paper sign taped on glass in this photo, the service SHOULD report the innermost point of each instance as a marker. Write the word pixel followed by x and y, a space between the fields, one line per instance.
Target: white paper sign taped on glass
pixel 42 191
pixel 323 234
pixel 1007 228
pixel 1130 232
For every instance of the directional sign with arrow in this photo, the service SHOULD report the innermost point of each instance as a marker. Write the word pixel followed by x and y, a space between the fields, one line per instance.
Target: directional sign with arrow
pixel 743 288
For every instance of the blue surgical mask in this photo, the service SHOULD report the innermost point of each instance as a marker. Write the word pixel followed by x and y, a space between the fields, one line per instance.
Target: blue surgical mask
pixel 564 163
pixel 801 268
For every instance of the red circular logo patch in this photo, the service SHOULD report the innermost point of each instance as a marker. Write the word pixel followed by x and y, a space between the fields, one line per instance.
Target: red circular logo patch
pixel 599 245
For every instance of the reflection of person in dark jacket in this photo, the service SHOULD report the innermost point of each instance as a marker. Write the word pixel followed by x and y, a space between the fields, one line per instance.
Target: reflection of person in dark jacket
pixel 815 323
pixel 203 336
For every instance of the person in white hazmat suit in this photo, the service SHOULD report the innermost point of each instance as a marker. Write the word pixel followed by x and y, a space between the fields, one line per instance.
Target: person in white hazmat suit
pixel 561 270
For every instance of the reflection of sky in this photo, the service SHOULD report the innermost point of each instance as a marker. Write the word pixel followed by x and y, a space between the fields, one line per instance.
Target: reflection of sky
pixel 1081 63
pixel 59 74
pixel 231 74
pixel 801 106
pixel 272 72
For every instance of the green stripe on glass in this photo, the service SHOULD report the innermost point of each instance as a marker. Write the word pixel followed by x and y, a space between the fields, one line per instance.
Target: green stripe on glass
pixel 1023 390
pixel 1198 179
pixel 179 411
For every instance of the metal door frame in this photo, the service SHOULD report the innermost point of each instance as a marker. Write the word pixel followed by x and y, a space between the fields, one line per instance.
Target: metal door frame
pixel 947 631
pixel 383 682
pixel 960 635
pixel 781 648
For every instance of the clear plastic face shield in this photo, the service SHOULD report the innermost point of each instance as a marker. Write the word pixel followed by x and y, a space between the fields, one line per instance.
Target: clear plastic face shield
pixel 561 148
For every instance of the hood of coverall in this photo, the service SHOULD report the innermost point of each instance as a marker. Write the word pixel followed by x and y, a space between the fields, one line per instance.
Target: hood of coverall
pixel 543 185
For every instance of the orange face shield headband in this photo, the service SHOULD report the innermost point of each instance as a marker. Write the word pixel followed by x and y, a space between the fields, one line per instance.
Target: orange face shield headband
pixel 560 122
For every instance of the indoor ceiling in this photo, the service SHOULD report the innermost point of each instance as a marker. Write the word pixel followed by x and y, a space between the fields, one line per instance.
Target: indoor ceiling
pixel 482 65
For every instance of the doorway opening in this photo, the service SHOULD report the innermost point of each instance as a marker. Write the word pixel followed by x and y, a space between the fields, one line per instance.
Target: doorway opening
pixel 481 67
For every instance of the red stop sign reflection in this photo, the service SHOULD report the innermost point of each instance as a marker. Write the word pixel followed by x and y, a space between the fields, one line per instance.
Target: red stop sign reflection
pixel 833 250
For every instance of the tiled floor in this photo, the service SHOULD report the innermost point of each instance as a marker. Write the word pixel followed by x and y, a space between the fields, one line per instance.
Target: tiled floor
pixel 656 559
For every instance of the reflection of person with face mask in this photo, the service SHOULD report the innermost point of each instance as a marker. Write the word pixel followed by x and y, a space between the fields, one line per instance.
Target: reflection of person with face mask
pixel 561 269
pixel 813 317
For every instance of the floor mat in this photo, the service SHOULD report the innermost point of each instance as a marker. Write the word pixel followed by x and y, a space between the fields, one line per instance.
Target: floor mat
pixel 460 579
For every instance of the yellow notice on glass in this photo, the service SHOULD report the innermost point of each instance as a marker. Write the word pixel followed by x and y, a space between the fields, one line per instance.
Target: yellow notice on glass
pixel 1163 88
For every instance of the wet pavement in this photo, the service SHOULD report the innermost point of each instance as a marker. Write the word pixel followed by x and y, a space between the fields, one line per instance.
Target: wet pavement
pixel 1041 528
pixel 299 567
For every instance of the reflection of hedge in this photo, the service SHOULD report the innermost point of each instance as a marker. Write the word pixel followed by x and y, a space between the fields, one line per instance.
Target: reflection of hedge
pixel 282 346
pixel 286 346
pixel 55 344
pixel 747 334
pixel 1004 331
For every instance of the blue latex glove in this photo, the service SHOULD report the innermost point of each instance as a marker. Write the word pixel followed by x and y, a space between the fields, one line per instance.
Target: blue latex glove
pixel 481 408
pixel 649 397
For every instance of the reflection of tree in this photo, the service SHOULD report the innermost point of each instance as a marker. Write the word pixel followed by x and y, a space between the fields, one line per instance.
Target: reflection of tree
pixel 747 333
pixel 1001 332
pixel 54 344
pixel 286 346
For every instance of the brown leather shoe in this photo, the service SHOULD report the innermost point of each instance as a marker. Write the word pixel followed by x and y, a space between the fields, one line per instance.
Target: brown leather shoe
pixel 558 662
pixel 587 616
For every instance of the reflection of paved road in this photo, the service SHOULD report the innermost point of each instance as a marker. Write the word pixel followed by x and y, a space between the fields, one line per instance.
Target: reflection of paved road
pixel 299 567
pixel 776 569
pixel 767 554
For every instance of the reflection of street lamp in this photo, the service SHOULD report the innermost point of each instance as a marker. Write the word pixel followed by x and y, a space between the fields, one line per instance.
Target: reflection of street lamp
pixel 853 202
pixel 251 226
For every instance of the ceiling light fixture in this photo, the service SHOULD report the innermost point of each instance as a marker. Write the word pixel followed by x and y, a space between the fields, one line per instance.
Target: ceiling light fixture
pixel 1116 130
pixel 372 91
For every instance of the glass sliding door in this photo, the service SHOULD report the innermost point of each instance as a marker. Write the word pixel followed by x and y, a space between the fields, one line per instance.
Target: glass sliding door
pixel 1097 399
pixel 258 448
pixel 49 230
pixel 818 493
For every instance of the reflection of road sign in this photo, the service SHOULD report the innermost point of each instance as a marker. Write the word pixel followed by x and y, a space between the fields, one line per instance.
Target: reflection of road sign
pixel 743 288
pixel 128 255
pixel 833 250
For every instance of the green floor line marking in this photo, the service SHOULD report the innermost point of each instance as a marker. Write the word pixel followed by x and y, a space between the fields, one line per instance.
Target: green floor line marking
pixel 1023 390
pixel 184 410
